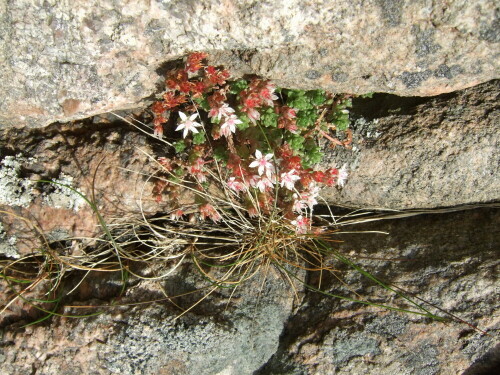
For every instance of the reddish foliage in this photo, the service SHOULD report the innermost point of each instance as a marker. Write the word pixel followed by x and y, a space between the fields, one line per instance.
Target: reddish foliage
pixel 318 176
pixel 215 76
pixel 331 175
pixel 194 61
pixel 158 108
pixel 171 100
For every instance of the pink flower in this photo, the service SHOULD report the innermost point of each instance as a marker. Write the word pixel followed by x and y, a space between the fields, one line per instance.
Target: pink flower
pixel 302 224
pixel 252 180
pixel 235 185
pixel 289 113
pixel 188 124
pixel 298 205
pixel 158 131
pixel 229 125
pixel 176 215
pixel 288 179
pixel 252 211
pixel 207 210
pixel 307 198
pixel 224 110
pixel 263 164
pixel 252 114
pixel 267 94
pixel 196 170
pixel 263 183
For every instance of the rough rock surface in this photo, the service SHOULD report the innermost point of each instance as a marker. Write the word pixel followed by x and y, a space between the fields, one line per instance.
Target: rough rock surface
pixel 102 159
pixel 226 335
pixel 66 60
pixel 423 152
pixel 447 259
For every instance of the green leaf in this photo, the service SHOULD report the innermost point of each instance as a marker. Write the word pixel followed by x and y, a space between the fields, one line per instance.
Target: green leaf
pixel 199 138
pixel 179 146
pixel 269 118
pixel 312 154
pixel 238 86
pixel 296 141
pixel 220 154
pixel 306 118
pixel 300 103
pixel 316 97
pixel 297 99
pixel 203 103
pixel 342 124
pixel 179 172
pixel 245 122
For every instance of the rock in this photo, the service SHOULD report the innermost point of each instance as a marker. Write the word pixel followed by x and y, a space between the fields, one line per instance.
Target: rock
pixel 222 337
pixel 447 259
pixel 422 152
pixel 95 158
pixel 62 62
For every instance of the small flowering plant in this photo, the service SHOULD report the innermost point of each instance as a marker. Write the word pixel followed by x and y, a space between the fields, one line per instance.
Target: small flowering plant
pixel 242 177
pixel 258 143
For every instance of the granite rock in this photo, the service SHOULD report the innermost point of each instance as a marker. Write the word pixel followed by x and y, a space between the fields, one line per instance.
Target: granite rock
pixel 70 60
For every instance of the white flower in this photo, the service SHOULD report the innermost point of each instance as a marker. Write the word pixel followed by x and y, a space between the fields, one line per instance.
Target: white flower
pixel 298 205
pixel 264 183
pixel 309 197
pixel 263 163
pixel 224 110
pixel 342 177
pixel 188 124
pixel 235 185
pixel 301 224
pixel 229 125
pixel 288 179
pixel 176 215
pixel 268 95
pixel 252 114
pixel 252 180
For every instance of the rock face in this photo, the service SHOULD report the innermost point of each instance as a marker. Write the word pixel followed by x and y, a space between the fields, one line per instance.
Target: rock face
pixel 423 153
pixel 222 337
pixel 96 158
pixel 61 61
pixel 447 259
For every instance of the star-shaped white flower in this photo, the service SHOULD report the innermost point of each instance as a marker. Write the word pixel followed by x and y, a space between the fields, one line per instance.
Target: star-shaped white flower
pixel 288 179
pixel 263 163
pixel 235 185
pixel 188 124
pixel 302 224
pixel 264 183
pixel 229 125
pixel 223 111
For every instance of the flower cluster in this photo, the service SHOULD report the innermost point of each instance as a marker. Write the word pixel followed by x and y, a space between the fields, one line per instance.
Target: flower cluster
pixel 265 138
